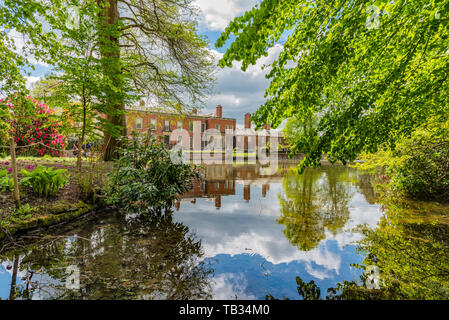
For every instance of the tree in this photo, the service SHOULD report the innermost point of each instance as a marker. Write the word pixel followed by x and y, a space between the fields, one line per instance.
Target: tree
pixel 146 48
pixel 22 17
pixel 370 72
pixel 152 45
pixel 79 86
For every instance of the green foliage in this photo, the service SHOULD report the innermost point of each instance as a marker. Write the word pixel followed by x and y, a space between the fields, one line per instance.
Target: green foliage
pixel 44 181
pixel 25 18
pixel 418 167
pixel 308 290
pixel 410 246
pixel 300 134
pixel 367 85
pixel 22 213
pixel 6 181
pixel 146 178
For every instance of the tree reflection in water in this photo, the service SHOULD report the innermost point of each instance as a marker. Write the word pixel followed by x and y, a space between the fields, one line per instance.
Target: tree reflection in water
pixel 313 202
pixel 144 257
pixel 410 248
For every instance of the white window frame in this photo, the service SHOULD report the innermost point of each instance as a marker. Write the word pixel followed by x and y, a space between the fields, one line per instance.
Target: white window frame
pixel 139 123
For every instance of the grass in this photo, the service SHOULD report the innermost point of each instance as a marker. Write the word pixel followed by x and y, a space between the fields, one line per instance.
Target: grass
pixel 45 159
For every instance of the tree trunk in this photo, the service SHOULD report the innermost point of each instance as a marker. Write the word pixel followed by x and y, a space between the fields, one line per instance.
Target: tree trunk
pixel 16 192
pixel 110 54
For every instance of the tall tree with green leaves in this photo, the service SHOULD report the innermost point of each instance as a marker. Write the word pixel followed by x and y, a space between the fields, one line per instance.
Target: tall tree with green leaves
pixel 78 82
pixel 370 72
pixel 147 48
pixel 21 18
pixel 151 46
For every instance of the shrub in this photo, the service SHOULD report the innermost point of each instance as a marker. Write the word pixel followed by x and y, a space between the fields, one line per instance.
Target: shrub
pixel 418 167
pixel 145 177
pixel 35 124
pixel 44 181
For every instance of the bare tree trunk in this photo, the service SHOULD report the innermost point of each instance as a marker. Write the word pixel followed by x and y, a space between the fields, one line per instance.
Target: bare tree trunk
pixel 16 193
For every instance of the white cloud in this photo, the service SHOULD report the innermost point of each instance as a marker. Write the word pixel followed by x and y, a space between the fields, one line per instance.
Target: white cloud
pixel 229 286
pixel 218 13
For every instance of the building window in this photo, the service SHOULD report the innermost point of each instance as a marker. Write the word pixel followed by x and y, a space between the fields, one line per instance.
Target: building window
pixel 179 139
pixel 153 124
pixel 191 125
pixel 166 140
pixel 203 127
pixel 217 126
pixel 167 125
pixel 139 123
pixel 179 125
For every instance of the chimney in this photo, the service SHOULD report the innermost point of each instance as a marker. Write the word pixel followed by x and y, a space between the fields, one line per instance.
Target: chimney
pixel 248 121
pixel 142 103
pixel 267 126
pixel 195 111
pixel 219 112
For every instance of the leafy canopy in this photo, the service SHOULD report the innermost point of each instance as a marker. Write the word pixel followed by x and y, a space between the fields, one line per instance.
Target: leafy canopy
pixel 368 72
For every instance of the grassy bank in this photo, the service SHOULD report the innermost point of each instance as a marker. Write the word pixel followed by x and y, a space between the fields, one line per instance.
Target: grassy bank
pixel 80 195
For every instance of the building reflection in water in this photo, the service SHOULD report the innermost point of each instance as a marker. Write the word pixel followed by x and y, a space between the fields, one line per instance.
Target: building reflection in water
pixel 221 180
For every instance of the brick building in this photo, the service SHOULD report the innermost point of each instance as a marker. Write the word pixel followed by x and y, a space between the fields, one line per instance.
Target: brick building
pixel 163 124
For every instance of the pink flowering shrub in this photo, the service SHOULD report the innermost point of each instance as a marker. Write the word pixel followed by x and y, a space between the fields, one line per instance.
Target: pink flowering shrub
pixel 35 125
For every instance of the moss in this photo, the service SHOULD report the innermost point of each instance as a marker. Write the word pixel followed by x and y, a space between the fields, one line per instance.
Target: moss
pixel 44 216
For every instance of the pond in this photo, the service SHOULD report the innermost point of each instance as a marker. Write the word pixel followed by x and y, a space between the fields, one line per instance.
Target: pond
pixel 237 235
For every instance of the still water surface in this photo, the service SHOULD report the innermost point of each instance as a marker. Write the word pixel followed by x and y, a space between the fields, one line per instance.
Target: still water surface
pixel 236 235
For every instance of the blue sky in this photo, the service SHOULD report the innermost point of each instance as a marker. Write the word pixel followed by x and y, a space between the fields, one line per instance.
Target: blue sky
pixel 236 91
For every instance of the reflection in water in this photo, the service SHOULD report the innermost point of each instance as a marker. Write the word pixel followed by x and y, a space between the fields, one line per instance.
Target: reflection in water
pixel 149 257
pixel 246 238
pixel 254 235
pixel 411 249
pixel 406 257
pixel 314 202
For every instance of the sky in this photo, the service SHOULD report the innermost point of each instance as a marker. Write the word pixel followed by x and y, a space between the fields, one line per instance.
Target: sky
pixel 238 92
